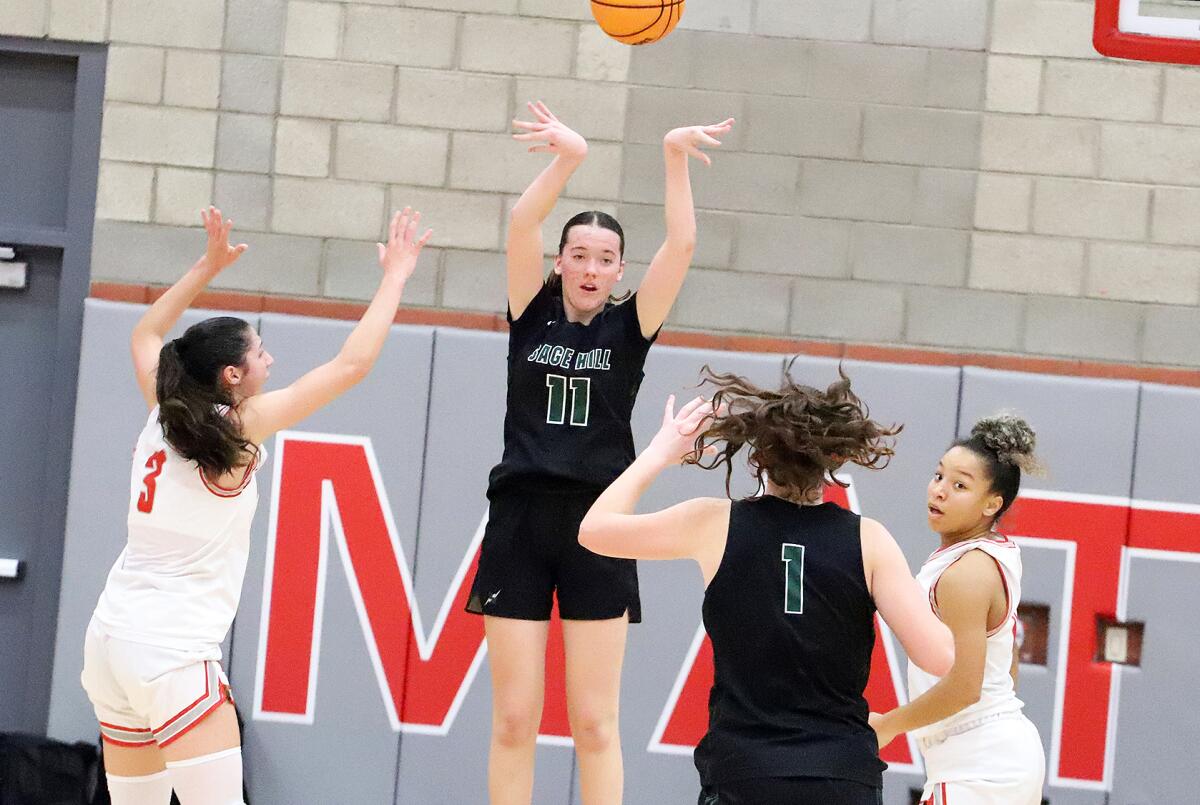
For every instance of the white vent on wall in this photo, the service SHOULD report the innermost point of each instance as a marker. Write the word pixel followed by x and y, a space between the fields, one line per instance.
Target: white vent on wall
pixel 13 275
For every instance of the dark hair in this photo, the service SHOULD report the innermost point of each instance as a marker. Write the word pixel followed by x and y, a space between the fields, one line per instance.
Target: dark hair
pixel 1005 444
pixel 592 218
pixel 798 436
pixel 191 395
pixel 588 218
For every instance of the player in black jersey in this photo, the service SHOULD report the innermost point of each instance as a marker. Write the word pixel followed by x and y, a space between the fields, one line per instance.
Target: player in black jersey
pixel 792 586
pixel 574 368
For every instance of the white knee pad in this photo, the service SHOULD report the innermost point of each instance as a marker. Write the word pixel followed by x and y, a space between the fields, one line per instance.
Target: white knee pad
pixel 151 789
pixel 214 779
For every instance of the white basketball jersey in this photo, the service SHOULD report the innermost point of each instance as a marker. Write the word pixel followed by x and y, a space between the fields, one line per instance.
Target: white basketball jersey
pixel 178 581
pixel 998 694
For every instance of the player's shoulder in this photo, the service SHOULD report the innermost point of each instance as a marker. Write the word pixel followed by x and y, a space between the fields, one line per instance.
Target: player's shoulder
pixel 706 508
pixel 873 533
pixel 973 571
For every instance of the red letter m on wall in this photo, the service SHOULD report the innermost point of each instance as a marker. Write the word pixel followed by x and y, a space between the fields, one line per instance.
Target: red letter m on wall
pixel 329 494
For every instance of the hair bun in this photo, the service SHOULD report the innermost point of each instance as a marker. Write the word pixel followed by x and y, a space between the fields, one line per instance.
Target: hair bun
pixel 1011 439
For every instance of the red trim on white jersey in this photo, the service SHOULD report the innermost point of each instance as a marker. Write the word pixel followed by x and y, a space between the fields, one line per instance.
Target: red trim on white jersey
pixel 1003 541
pixel 933 604
pixel 229 491
pixel 1007 596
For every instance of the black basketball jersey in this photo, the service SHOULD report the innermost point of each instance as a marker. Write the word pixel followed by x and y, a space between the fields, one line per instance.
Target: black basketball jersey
pixel 571 389
pixel 792 629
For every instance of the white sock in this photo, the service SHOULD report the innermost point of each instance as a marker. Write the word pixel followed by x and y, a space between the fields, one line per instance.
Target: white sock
pixel 214 779
pixel 152 789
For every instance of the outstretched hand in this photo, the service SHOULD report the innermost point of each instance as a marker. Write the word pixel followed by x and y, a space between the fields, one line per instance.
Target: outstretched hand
pixel 549 134
pixel 676 438
pixel 403 247
pixel 219 255
pixel 689 139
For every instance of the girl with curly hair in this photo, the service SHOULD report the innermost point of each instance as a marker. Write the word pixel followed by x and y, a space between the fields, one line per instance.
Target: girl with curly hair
pixel 792 584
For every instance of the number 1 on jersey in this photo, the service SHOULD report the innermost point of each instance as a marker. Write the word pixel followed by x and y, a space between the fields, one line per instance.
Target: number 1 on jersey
pixel 793 572
pixel 155 464
pixel 581 399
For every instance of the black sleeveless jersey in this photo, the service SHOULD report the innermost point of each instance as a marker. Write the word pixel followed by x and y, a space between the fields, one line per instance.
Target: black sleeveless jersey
pixel 792 629
pixel 571 389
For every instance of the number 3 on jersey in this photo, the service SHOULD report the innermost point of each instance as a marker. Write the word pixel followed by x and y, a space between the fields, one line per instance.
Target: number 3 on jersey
pixel 581 399
pixel 793 573
pixel 155 464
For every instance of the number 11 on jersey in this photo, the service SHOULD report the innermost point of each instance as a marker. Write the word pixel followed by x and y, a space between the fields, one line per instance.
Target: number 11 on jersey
pixel 581 399
pixel 793 572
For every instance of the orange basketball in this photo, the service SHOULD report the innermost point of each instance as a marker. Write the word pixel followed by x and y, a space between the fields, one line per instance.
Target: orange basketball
pixel 637 22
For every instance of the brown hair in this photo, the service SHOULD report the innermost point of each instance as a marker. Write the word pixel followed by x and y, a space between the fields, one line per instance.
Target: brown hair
pixel 192 398
pixel 798 436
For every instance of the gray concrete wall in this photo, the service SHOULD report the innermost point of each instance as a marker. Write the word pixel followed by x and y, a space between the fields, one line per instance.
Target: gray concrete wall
pixel 942 173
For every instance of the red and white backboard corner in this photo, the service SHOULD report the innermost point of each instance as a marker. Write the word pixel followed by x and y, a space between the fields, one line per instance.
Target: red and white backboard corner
pixel 1147 31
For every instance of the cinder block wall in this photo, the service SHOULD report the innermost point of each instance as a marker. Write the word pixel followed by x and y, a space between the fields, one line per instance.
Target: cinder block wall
pixel 945 173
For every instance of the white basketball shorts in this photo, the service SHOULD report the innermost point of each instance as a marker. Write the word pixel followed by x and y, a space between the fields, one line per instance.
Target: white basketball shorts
pixel 997 761
pixel 146 694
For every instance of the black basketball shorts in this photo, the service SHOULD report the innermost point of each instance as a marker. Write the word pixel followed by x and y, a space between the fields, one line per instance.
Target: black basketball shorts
pixel 791 791
pixel 531 552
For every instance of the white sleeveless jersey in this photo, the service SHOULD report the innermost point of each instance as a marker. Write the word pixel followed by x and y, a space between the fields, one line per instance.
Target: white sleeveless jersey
pixel 178 581
pixel 998 694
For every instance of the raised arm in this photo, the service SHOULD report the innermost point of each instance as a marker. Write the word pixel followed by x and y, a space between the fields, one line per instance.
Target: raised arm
pixel 265 414
pixel 665 275
pixel 694 529
pixel 524 246
pixel 147 340
pixel 964 594
pixel 900 600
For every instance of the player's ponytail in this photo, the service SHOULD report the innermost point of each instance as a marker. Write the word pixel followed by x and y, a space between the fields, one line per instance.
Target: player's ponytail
pixel 1005 444
pixel 192 399
pixel 798 436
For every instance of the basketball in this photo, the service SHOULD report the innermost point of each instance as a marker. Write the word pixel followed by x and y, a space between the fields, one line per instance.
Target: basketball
pixel 637 22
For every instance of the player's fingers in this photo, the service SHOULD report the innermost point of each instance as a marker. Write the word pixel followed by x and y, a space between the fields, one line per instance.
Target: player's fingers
pixel 690 408
pixel 669 413
pixel 410 231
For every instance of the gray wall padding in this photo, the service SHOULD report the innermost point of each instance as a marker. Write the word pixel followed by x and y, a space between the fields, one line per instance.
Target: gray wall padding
pixel 433 410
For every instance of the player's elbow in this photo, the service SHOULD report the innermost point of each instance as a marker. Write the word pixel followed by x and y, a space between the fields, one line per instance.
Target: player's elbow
pixel 588 535
pixel 591 535
pixel 352 372
pixel 521 217
pixel 937 660
pixel 967 692
pixel 683 244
